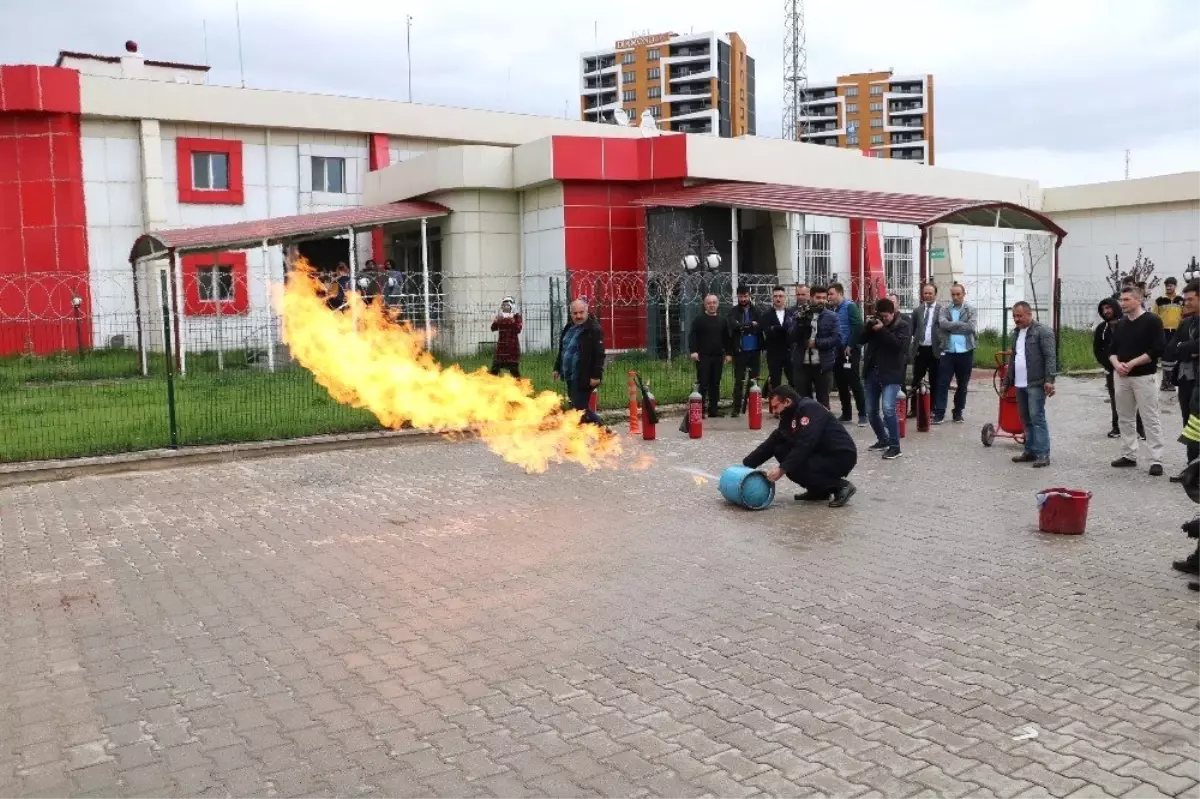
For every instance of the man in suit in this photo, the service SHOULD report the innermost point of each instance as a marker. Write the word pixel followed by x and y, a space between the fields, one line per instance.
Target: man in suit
pixel 776 325
pixel 927 343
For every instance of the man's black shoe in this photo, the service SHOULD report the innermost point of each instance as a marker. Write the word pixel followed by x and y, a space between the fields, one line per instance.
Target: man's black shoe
pixel 878 446
pixel 1114 433
pixel 1192 528
pixel 1194 586
pixel 939 420
pixel 718 415
pixel 891 453
pixel 1156 470
pixel 843 494
pixel 845 417
pixel 1188 565
pixel 1124 463
pixel 957 418
pixel 1042 462
pixel 1177 478
pixel 1024 457
pixel 812 496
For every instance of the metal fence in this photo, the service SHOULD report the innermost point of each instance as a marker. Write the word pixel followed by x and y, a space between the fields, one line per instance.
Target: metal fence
pixel 211 368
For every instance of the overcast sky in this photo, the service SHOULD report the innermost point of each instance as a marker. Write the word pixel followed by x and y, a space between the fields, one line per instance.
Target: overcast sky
pixel 1054 90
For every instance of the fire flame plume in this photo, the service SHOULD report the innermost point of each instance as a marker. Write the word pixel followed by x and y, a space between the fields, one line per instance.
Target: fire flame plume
pixel 365 360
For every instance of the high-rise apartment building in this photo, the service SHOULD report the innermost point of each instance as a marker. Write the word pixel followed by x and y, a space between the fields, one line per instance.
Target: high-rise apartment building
pixel 888 115
pixel 690 83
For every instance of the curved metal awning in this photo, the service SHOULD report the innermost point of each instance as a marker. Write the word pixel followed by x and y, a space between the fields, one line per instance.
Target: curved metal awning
pixel 244 235
pixel 911 209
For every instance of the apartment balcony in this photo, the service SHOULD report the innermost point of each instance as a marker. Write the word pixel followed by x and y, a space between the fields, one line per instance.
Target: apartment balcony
pixel 682 109
pixel 594 65
pixel 906 109
pixel 691 73
pixel 906 88
pixel 825 95
pixel 824 129
pixel 820 114
pixel 591 86
pixel 907 140
pixel 904 125
pixel 692 127
pixel 599 100
pixel 694 50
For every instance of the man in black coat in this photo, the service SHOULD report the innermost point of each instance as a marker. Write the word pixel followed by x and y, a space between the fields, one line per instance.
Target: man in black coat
pixel 708 347
pixel 885 339
pixel 580 362
pixel 777 323
pixel 812 447
pixel 745 326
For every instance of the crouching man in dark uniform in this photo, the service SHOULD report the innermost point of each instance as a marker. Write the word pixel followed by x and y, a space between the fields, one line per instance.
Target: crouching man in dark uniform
pixel 812 447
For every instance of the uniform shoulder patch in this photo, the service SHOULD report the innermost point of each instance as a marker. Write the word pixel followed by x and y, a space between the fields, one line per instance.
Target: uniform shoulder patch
pixel 804 421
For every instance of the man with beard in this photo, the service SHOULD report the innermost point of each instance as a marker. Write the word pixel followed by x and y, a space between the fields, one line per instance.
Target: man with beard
pixel 1184 350
pixel 776 324
pixel 812 447
pixel 745 325
pixel 815 344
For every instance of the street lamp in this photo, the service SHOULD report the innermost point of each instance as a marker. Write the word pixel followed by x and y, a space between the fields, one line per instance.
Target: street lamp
pixel 77 301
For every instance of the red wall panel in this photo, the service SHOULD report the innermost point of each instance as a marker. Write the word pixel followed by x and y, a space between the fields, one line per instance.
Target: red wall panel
pixel 43 232
pixel 379 155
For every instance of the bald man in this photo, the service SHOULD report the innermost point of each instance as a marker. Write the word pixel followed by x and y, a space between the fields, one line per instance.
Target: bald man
pixel 580 362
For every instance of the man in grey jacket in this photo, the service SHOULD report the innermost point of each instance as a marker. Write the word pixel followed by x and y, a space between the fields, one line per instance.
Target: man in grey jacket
pixel 1033 368
pixel 957 323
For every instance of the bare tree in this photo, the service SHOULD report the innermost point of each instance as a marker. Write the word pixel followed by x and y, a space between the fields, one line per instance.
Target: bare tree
pixel 1142 272
pixel 1037 249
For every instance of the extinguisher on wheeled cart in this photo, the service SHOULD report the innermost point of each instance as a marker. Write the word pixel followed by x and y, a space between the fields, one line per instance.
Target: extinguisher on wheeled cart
pixel 754 405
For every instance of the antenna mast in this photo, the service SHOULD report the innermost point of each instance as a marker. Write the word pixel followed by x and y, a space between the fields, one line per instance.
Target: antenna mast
pixel 795 70
pixel 1127 164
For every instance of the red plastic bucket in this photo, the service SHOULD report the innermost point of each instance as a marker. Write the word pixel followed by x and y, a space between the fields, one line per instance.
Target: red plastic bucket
pixel 1063 510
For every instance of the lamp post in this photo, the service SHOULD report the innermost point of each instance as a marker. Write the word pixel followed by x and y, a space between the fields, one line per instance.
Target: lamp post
pixel 76 302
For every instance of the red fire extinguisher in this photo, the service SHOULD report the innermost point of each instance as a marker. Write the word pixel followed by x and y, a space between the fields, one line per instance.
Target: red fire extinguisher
pixel 695 415
pixel 924 411
pixel 649 416
pixel 902 412
pixel 593 401
pixel 755 406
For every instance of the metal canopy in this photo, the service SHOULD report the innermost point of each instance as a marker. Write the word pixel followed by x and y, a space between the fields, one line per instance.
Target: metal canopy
pixel 911 209
pixel 243 235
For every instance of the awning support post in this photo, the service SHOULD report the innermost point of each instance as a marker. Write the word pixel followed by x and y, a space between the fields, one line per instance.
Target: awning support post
pixel 425 278
pixel 733 254
pixel 266 267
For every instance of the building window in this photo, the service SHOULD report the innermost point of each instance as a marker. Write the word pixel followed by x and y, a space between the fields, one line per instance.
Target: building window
pixel 818 260
pixel 876 90
pixel 654 73
pixel 741 94
pixel 654 110
pixel 876 122
pixel 898 267
pixel 852 140
pixel 210 171
pixel 652 54
pixel 851 91
pixel 329 174
pixel 654 91
pixel 629 96
pixel 628 58
pixel 877 138
pixel 851 108
pixel 876 107
pixel 629 77
pixel 214 283
pixel 1010 264
pixel 741 112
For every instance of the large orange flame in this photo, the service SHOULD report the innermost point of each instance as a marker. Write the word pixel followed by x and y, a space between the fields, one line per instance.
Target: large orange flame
pixel 368 361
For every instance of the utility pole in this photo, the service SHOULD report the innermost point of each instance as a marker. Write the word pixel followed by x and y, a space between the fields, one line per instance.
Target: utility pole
pixel 795 70
pixel 408 50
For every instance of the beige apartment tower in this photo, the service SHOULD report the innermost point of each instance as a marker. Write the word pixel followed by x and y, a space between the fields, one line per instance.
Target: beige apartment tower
pixel 887 115
pixel 689 83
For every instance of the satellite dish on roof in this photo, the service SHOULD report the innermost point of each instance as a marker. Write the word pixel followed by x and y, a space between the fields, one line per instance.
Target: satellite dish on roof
pixel 621 118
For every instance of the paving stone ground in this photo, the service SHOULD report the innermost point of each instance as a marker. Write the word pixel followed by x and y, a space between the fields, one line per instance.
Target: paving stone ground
pixel 428 620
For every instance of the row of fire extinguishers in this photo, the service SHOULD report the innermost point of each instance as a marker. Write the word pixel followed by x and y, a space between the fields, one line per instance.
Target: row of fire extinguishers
pixel 644 415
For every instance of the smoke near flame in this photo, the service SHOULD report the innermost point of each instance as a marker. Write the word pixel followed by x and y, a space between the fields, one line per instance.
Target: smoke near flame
pixel 365 360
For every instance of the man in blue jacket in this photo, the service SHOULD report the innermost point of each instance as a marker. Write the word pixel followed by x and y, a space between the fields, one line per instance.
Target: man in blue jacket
pixel 816 342
pixel 745 322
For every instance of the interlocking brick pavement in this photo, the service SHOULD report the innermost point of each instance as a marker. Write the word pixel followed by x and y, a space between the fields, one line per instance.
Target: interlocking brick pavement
pixel 427 620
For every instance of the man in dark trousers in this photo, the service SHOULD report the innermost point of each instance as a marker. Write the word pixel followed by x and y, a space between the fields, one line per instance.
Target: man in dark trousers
pixel 1184 350
pixel 708 342
pixel 816 344
pixel 812 447
pixel 777 323
pixel 846 374
pixel 927 343
pixel 1110 314
pixel 580 362
pixel 745 325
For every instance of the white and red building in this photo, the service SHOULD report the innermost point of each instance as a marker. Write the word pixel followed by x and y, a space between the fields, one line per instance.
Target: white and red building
pixel 97 152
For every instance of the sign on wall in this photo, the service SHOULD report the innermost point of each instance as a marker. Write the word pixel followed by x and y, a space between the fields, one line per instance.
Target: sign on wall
pixel 937 254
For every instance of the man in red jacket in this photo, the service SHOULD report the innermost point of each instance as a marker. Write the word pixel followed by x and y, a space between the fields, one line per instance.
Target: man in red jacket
pixel 508 345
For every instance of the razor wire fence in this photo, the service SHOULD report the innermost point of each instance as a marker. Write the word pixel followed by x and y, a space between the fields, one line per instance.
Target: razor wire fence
pixel 89 366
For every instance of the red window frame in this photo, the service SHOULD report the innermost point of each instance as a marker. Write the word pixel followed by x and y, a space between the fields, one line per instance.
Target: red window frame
pixel 232 148
pixel 194 263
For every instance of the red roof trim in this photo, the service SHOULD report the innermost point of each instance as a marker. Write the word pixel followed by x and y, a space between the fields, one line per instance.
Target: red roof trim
pixel 112 59
pixel 912 209
pixel 243 235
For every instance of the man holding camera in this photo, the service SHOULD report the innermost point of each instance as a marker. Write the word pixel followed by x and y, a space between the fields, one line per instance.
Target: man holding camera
pixel 812 447
pixel 885 340
pixel 815 341
pixel 746 325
